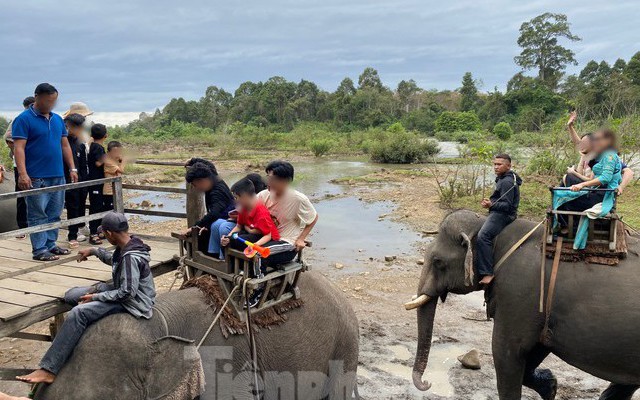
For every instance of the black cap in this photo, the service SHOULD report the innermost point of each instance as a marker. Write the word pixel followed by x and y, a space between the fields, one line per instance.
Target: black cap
pixel 114 222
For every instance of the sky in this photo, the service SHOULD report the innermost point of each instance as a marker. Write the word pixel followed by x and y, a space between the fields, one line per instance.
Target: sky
pixel 124 57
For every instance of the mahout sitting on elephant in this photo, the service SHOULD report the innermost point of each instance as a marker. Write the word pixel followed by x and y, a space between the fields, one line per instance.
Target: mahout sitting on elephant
pixel 593 323
pixel 313 355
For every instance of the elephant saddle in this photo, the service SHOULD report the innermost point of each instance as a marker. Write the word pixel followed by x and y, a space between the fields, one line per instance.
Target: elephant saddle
pixel 230 323
pixel 594 252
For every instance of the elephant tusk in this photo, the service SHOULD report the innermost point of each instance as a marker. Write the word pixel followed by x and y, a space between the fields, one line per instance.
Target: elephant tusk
pixel 420 301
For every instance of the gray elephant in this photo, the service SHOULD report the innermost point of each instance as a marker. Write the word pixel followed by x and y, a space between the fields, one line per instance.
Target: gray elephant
pixel 594 322
pixel 7 207
pixel 313 355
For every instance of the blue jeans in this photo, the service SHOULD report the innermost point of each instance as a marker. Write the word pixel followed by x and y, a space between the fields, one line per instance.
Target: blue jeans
pixel 75 324
pixel 219 228
pixel 43 209
pixel 493 225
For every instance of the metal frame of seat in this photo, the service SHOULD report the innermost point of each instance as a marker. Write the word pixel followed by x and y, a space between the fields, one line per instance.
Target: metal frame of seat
pixel 595 235
pixel 280 284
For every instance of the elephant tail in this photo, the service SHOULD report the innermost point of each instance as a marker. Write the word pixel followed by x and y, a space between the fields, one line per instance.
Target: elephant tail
pixel 356 395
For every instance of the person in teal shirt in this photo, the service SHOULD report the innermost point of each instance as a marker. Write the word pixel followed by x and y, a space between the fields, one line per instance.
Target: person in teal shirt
pixel 607 175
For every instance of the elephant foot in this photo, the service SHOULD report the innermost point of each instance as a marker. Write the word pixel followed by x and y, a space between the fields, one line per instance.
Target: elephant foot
pixel 543 382
pixel 619 392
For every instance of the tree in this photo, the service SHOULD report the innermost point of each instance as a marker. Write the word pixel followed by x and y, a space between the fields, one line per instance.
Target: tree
pixel 369 79
pixel 405 91
pixel 469 93
pixel 541 50
pixel 633 69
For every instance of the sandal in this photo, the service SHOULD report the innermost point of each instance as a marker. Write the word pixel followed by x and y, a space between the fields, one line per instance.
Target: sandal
pixel 46 256
pixel 73 244
pixel 59 251
pixel 95 240
pixel 21 237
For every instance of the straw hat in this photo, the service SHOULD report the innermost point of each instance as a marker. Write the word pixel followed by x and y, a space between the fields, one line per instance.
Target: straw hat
pixel 78 108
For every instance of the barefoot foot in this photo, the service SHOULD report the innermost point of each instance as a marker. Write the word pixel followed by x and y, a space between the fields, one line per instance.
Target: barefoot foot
pixel 486 280
pixel 37 376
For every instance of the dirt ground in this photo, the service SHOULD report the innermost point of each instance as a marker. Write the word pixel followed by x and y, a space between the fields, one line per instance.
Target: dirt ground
pixel 377 291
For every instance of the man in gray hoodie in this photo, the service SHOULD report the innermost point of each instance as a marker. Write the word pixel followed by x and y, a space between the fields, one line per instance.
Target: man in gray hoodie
pixel 132 291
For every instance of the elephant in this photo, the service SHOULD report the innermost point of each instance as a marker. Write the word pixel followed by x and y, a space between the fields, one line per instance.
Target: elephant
pixel 593 323
pixel 313 355
pixel 8 207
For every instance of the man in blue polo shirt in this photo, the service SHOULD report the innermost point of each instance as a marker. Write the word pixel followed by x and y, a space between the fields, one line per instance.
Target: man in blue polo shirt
pixel 40 145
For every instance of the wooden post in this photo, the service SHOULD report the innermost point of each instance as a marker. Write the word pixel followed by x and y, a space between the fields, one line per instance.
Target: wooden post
pixel 195 205
pixel 118 198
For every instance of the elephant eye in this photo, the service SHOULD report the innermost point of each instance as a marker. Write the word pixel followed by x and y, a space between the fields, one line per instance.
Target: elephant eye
pixel 437 263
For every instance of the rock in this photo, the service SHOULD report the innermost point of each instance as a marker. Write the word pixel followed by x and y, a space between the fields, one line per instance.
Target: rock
pixel 339 266
pixel 420 261
pixel 389 258
pixel 471 360
pixel 145 203
pixel 357 288
pixel 160 205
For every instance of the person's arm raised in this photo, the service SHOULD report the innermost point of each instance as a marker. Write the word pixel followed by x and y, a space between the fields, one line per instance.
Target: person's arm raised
pixel 573 134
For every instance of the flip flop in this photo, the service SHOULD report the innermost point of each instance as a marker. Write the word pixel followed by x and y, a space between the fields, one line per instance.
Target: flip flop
pixel 58 251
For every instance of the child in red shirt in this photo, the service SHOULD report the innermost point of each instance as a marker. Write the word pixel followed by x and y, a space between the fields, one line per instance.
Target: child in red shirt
pixel 254 220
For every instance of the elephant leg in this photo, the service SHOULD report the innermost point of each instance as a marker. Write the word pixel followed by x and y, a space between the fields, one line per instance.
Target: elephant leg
pixel 616 391
pixel 510 367
pixel 540 380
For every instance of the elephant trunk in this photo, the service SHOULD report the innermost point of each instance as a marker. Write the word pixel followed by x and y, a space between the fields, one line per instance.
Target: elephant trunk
pixel 426 315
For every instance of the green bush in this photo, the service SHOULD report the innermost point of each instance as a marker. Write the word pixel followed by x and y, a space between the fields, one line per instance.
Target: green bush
pixel 320 147
pixel 453 121
pixel 401 147
pixel 545 162
pixel 503 130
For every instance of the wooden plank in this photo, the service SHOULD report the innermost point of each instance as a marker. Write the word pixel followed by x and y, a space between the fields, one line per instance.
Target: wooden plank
pixel 149 188
pixel 92 264
pixel 57 280
pixel 103 276
pixel 51 189
pixel 34 287
pixel 23 299
pixel 37 314
pixel 155 213
pixel 11 311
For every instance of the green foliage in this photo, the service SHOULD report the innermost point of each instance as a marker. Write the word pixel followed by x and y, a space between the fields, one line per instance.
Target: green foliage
pixel 451 121
pixel 469 93
pixel 540 47
pixel 320 147
pixel 503 131
pixel 546 162
pixel 398 146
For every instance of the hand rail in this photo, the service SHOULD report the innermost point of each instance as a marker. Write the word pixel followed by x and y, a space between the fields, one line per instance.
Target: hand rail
pixel 552 188
pixel 77 185
pixel 53 225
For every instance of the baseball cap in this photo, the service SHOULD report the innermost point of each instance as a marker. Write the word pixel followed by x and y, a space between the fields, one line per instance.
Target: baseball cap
pixel 114 222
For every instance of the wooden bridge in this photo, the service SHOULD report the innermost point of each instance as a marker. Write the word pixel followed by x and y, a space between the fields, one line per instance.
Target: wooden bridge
pixel 32 291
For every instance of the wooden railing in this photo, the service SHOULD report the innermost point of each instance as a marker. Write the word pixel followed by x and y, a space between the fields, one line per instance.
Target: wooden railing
pixel 118 200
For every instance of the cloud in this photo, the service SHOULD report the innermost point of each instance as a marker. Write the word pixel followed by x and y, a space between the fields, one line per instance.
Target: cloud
pixel 134 56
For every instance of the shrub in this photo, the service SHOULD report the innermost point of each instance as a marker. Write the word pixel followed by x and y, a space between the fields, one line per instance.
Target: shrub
pixel 503 130
pixel 545 162
pixel 452 121
pixel 320 147
pixel 401 147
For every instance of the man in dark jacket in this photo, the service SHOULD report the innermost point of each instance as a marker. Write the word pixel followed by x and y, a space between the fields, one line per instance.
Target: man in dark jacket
pixel 132 291
pixel 503 210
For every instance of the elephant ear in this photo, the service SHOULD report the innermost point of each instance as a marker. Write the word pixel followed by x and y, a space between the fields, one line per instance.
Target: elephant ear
pixel 469 277
pixel 175 370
